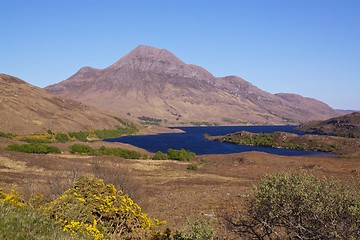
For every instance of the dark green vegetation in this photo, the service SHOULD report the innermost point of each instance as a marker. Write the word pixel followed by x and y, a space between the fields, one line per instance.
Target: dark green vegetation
pixel 5 135
pixel 192 167
pixel 196 230
pixel 102 151
pixel 81 136
pixel 344 126
pixel 113 133
pixel 179 155
pixel 33 148
pixel 288 206
pixel 330 144
pixel 62 137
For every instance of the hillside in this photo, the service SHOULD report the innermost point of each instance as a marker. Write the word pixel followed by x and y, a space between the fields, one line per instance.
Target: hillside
pixel 154 83
pixel 27 109
pixel 345 126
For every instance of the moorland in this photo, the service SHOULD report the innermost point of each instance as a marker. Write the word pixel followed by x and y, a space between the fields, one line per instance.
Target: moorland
pixel 60 180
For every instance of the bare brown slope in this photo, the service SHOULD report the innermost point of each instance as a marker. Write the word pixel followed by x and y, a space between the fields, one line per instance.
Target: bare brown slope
pixel 27 109
pixel 155 83
pixel 310 108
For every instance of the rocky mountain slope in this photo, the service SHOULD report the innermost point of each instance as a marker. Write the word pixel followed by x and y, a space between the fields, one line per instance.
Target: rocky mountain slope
pixel 27 109
pixel 345 126
pixel 153 83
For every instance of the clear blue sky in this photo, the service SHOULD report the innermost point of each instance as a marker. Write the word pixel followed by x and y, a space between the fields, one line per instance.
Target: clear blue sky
pixel 309 47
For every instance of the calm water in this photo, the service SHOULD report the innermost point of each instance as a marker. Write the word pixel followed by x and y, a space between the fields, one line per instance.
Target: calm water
pixel 192 139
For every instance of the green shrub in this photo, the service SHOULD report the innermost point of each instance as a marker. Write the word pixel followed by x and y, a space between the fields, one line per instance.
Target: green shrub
pixel 33 148
pixel 81 136
pixel 288 206
pixel 81 149
pixel 196 230
pixel 62 137
pixel 34 140
pixel 119 152
pixel 5 135
pixel 160 156
pixel 180 155
pixel 113 133
pixel 192 167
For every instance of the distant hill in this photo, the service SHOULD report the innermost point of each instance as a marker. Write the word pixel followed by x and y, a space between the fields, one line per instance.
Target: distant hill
pixel 27 109
pixel 345 126
pixel 152 83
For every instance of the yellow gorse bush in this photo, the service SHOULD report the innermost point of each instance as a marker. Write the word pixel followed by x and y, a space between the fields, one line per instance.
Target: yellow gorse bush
pixel 12 198
pixel 42 137
pixel 98 210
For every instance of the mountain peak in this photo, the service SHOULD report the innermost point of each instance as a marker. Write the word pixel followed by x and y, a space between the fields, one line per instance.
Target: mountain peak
pixel 145 58
pixel 153 82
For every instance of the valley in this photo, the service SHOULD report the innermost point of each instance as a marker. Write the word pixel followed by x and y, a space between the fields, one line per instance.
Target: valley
pixel 50 138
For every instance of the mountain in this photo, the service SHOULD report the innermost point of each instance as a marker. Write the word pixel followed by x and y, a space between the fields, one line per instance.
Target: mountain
pixel 345 126
pixel 27 109
pixel 153 83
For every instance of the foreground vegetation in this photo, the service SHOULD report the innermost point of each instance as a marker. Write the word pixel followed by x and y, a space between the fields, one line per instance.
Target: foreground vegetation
pixel 282 206
pixel 288 206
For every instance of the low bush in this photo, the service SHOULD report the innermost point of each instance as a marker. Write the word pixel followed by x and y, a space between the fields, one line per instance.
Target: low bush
pixel 5 135
pixel 288 206
pixel 119 152
pixel 81 136
pixel 62 137
pixel 113 133
pixel 180 155
pixel 173 154
pixel 33 148
pixel 81 149
pixel 192 167
pixel 196 230
pixel 160 156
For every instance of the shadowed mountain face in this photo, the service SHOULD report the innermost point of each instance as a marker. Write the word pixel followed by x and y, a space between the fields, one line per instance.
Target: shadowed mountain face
pixel 27 109
pixel 154 83
pixel 344 126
